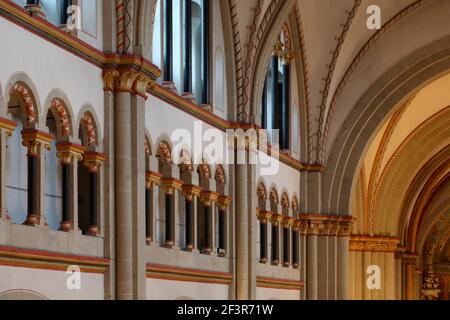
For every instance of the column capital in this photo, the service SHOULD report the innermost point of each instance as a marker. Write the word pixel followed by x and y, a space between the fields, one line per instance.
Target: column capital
pixel 191 191
pixel 171 184
pixel 276 219
pixel 288 221
pixel 263 216
pixel 94 160
pixel 33 139
pixel 223 202
pixel 127 80
pixel 67 152
pixel 152 178
pixel 8 126
pixel 208 197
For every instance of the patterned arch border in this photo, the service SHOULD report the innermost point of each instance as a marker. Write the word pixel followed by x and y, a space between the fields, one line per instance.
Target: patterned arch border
pixel 59 107
pixel 88 121
pixel 27 96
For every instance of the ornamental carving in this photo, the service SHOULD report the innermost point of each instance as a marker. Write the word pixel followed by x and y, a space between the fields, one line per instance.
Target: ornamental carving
pixel 373 244
pixel 24 92
pixel 220 175
pixel 294 203
pixel 88 122
pixel 284 200
pixel 431 283
pixel 204 170
pixel 165 153
pixel 261 191
pixel 274 196
pixel 59 107
pixel 185 161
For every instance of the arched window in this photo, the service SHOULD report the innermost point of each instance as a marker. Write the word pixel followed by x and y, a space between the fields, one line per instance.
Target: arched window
pixel 88 177
pixel 23 173
pixel 186 48
pixel 263 217
pixel 275 231
pixel 275 108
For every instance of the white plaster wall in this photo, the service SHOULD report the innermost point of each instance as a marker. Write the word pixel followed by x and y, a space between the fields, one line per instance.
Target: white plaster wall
pixel 158 289
pixel 276 294
pixel 163 119
pixel 50 67
pixel 286 179
pixel 51 284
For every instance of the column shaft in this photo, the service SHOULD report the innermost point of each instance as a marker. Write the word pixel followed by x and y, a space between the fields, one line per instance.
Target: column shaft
pixel 342 266
pixel 311 267
pixel 285 117
pixel 189 225
pixel 242 225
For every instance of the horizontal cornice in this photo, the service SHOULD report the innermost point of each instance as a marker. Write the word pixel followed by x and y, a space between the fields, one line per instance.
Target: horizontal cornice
pixel 274 283
pixel 165 272
pixel 36 259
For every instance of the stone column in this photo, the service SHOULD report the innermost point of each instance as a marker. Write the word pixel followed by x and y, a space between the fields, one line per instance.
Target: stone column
pixel 93 161
pixel 323 257
pixel 263 217
pixel 191 194
pixel 287 225
pixel 69 155
pixel 342 261
pixel 208 199
pixel 409 260
pixel 223 203
pixel 242 225
pixel 303 256
pixel 296 245
pixel 171 187
pixel 152 180
pixel 36 142
pixel 332 260
pixel 311 261
pixel 6 129
pixel 130 94
pixel 275 256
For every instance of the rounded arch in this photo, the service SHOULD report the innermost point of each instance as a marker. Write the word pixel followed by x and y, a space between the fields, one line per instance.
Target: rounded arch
pixel 261 190
pixel 285 200
pixel 88 127
pixel 21 89
pixel 273 196
pixel 220 175
pixel 294 203
pixel 367 115
pixel 61 108
pixel 204 170
pixel 21 294
pixel 164 151
pixel 266 37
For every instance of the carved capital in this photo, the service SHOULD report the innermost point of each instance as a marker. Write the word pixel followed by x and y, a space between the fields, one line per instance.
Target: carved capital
pixel 152 178
pixel 276 219
pixel 94 160
pixel 68 152
pixel 263 216
pixel 208 197
pixel 35 139
pixel 8 126
pixel 109 79
pixel 223 202
pixel 190 191
pixel 171 184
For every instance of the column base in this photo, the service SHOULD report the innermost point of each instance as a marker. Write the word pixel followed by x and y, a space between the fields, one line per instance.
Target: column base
pixel 66 226
pixel 207 107
pixel 263 260
pixel 286 264
pixel 169 244
pixel 35 11
pixel 93 231
pixel 189 96
pixel 295 265
pixel 148 240
pixel 206 251
pixel 222 253
pixel 189 248
pixel 170 85
pixel 275 263
pixel 32 220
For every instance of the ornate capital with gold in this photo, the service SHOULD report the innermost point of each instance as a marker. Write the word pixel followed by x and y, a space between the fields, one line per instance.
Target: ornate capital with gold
pixel 152 178
pixel 94 160
pixel 35 139
pixel 288 221
pixel 223 202
pixel 191 191
pixel 7 126
pixel 69 152
pixel 276 219
pixel 169 185
pixel 208 197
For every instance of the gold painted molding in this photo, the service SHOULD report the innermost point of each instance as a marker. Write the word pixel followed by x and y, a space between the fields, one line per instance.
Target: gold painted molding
pixel 373 243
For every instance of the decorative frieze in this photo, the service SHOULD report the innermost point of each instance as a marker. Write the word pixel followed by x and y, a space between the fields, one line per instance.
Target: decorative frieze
pixel 373 243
